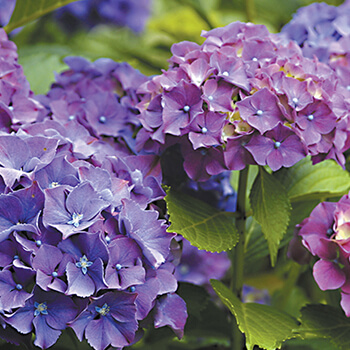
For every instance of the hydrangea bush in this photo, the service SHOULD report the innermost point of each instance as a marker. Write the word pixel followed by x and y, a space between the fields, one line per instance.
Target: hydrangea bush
pixel 129 203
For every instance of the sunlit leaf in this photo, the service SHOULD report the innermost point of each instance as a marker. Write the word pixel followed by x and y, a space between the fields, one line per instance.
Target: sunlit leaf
pixel 271 209
pixel 203 225
pixel 305 181
pixel 263 325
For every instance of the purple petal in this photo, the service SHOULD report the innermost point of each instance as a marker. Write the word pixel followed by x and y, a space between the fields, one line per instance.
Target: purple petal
pixel 45 336
pixel 171 311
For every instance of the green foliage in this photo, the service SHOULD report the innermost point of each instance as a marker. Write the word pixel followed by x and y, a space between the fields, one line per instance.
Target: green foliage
pixel 271 209
pixel 324 321
pixel 203 225
pixel 263 325
pixel 39 64
pixel 305 181
pixel 29 10
pixel 308 344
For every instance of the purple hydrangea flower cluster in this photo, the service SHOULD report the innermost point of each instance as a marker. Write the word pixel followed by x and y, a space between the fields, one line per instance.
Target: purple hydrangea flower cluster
pixel 89 13
pixel 17 104
pixel 82 241
pixel 325 233
pixel 244 96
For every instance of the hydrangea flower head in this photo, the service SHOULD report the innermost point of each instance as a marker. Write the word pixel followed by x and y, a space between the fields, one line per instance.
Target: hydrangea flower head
pixel 241 90
pixel 325 233
pixel 83 243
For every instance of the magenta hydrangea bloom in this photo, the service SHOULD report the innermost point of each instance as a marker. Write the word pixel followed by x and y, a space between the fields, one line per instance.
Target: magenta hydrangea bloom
pixel 326 234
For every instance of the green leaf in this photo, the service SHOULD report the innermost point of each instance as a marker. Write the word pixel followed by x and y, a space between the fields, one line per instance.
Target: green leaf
pixel 324 321
pixel 256 245
pixel 305 181
pixel 41 76
pixel 308 344
pixel 271 209
pixel 203 225
pixel 29 10
pixel 263 325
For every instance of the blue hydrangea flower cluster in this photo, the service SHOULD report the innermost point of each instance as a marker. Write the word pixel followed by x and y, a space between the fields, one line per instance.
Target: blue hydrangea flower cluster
pixel 244 96
pixel 89 13
pixel 6 9
pixel 82 241
pixel 317 27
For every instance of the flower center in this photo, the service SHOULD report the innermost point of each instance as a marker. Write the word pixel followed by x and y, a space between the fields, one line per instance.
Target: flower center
pixel 118 267
pixel 102 119
pixel 83 263
pixel 103 311
pixel 53 184
pixel 310 117
pixel 187 108
pixel 204 130
pixel 76 218
pixel 226 74
pixel 277 144
pixel 259 112
pixel 40 309
pixel 330 232
pixel 295 100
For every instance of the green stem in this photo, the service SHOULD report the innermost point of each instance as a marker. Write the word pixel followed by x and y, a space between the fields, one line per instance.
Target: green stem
pixel 238 253
pixel 250 10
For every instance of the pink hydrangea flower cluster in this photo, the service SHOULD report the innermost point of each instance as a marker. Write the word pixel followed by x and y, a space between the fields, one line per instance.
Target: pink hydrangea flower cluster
pixel 326 234
pixel 244 96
